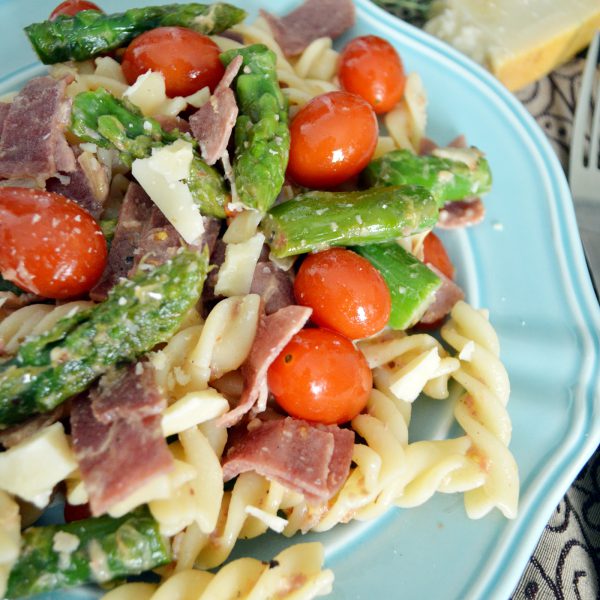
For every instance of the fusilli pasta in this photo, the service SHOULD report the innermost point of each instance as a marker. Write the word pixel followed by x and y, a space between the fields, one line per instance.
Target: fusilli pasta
pixel 34 319
pixel 481 410
pixel 296 572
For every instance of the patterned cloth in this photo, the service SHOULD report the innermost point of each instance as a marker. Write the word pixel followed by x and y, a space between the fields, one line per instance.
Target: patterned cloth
pixel 566 561
pixel 565 564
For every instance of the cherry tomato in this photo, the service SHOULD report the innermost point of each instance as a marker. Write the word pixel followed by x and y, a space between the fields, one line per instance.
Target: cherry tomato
pixel 76 512
pixel 333 138
pixel 70 8
pixel 346 292
pixel 370 67
pixel 48 244
pixel 188 60
pixel 320 376
pixel 435 254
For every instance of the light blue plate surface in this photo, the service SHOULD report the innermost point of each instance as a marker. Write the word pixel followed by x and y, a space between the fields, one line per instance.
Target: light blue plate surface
pixel 526 265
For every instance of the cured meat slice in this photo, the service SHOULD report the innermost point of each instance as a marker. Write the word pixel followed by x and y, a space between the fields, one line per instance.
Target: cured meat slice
pixel 446 296
pixel 32 143
pixel 461 213
pixel 86 186
pixel 4 108
pixel 213 122
pixel 136 208
pixel 273 333
pixel 311 20
pixel 273 285
pixel 117 437
pixel 307 458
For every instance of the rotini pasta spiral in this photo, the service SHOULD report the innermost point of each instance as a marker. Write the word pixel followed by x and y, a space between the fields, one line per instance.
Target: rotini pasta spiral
pixel 406 365
pixel 10 537
pixel 34 319
pixel 389 471
pixel 481 410
pixel 295 572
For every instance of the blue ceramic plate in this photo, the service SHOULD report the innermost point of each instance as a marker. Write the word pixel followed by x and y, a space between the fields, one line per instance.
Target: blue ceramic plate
pixel 526 265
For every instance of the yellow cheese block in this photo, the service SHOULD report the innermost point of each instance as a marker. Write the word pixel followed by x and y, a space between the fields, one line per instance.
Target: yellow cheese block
pixel 519 41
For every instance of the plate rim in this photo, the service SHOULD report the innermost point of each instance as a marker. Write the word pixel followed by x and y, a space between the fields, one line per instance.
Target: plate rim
pixel 582 297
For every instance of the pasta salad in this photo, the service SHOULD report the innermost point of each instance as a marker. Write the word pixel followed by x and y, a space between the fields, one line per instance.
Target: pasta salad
pixel 221 296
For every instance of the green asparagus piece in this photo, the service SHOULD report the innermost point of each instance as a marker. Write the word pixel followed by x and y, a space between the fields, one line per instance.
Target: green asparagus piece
pixel 315 220
pixel 262 137
pixel 90 33
pixel 88 551
pixel 98 117
pixel 412 284
pixel 445 177
pixel 138 314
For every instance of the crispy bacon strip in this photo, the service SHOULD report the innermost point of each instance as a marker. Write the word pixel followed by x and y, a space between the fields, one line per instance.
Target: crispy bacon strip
pixel 32 141
pixel 117 436
pixel 308 458
pixel 213 122
pixel 311 20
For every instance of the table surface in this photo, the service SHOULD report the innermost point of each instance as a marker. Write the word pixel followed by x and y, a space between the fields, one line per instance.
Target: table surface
pixel 566 561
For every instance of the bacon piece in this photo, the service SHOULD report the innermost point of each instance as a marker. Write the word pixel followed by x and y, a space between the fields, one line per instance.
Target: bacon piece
pixel 117 437
pixel 446 296
pixel 312 459
pixel 273 333
pixel 32 143
pixel 169 123
pixel 213 122
pixel 135 209
pixel 273 285
pixel 311 20
pixel 86 186
pixel 461 213
pixel 4 108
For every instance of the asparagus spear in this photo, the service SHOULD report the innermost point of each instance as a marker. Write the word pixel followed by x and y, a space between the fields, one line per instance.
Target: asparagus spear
pixel 88 551
pixel 412 284
pixel 98 117
pixel 138 314
pixel 315 220
pixel 262 137
pixel 90 33
pixel 454 174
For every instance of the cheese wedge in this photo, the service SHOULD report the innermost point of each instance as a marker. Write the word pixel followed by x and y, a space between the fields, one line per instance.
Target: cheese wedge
pixel 518 41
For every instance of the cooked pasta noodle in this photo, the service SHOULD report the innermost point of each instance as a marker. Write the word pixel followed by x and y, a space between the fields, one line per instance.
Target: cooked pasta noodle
pixel 481 410
pixel 406 365
pixel 295 572
pixel 10 537
pixel 34 319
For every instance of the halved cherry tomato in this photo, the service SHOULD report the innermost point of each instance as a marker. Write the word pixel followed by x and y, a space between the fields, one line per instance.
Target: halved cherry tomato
pixel 188 60
pixel 48 244
pixel 371 68
pixel 320 376
pixel 333 138
pixel 435 253
pixel 346 292
pixel 70 8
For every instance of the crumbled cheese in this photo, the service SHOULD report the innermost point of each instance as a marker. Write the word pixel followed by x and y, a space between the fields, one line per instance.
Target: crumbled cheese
pixel 33 467
pixel 494 33
pixel 274 522
pixel 161 175
pixel 409 381
pixel 236 272
pixel 467 351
